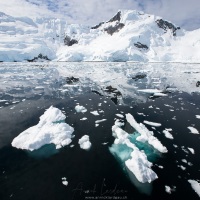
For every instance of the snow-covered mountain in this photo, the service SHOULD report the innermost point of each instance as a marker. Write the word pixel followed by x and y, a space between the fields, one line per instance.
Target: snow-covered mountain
pixel 129 36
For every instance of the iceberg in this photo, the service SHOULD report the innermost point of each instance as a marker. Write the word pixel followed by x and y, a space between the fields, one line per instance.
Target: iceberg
pixel 195 186
pixel 193 130
pixel 51 129
pixel 84 142
pixel 79 108
pixel 145 134
pixel 135 160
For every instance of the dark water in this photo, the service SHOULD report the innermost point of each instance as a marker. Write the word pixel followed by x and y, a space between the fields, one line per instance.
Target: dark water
pixel 96 174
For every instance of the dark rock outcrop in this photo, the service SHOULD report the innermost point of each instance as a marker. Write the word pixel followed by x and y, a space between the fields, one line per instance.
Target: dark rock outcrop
pixel 165 25
pixel 140 45
pixel 97 26
pixel 69 42
pixel 71 80
pixel 139 76
pixel 117 17
pixel 198 83
pixel 39 57
pixel 113 29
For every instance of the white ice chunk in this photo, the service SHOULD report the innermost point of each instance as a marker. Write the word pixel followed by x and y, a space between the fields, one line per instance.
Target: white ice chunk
pixel 169 190
pixel 120 115
pixel 64 181
pixel 168 134
pixel 158 94
pixel 151 91
pixel 138 163
pixel 99 121
pixel 79 108
pixel 83 119
pixel 118 123
pixel 195 186
pixel 145 134
pixel 95 113
pixel 51 129
pixel 191 150
pixel 140 166
pixel 193 130
pixel 198 116
pixel 84 142
pixel 152 123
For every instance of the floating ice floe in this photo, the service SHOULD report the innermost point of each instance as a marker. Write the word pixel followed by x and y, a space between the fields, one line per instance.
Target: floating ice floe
pixel 120 115
pixel 51 129
pixel 83 119
pixel 168 134
pixel 191 150
pixel 193 130
pixel 145 134
pixel 84 142
pixel 195 186
pixel 79 108
pixel 198 116
pixel 154 92
pixel 152 123
pixel 64 181
pixel 95 113
pixel 99 121
pixel 169 190
pixel 134 159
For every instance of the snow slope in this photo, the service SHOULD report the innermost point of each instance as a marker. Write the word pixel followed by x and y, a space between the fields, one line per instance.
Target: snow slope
pixel 129 36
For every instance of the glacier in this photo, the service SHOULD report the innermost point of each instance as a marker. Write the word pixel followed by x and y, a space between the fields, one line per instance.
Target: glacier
pixel 129 36
pixel 51 129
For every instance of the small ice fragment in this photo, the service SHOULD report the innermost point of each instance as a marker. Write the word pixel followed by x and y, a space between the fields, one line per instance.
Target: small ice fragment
pixel 191 150
pixel 168 134
pixel 64 181
pixel 182 167
pixel 184 160
pixel 39 87
pixel 150 91
pixel 169 190
pixel 99 121
pixel 195 186
pixel 193 130
pixel 3 100
pixel 79 108
pixel 105 143
pixel 198 116
pixel 119 115
pixel 119 123
pixel 95 113
pixel 96 125
pixel 159 94
pixel 84 142
pixel 141 114
pixel 83 119
pixel 150 106
pixel 152 123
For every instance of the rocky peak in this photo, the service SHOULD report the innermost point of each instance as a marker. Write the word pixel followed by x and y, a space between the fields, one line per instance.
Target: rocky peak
pixel 165 25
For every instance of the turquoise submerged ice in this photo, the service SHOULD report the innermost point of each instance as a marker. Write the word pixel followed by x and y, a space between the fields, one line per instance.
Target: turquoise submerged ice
pixel 51 129
pixel 135 150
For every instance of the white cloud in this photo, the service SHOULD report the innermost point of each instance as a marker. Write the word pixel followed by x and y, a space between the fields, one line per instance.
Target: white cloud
pixel 182 12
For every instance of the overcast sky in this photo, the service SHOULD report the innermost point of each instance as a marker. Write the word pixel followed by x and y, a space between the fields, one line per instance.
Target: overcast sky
pixel 184 13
